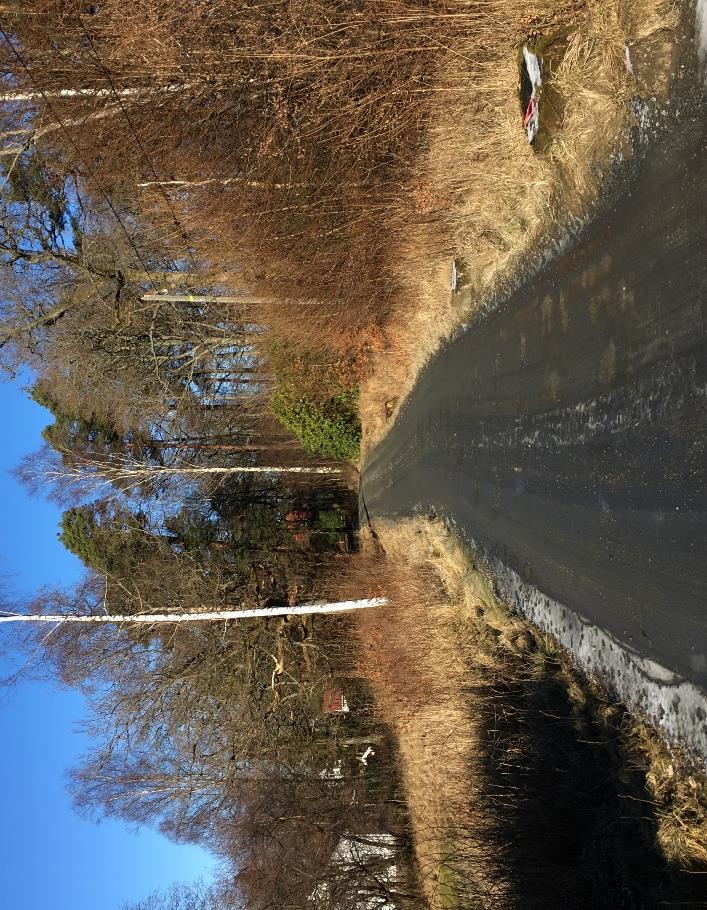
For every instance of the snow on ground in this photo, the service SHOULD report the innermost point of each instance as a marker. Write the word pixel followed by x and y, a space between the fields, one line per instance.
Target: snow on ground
pixel 701 36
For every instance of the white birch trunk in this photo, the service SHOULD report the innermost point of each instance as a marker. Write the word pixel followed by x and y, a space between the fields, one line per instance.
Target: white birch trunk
pixel 250 469
pixel 34 135
pixel 90 475
pixel 206 298
pixel 110 473
pixel 342 606
pixel 85 93
pixel 223 181
pixel 227 181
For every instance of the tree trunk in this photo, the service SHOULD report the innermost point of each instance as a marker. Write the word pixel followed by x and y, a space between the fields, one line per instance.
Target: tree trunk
pixel 223 181
pixel 85 93
pixel 47 319
pixel 115 473
pixel 34 135
pixel 245 469
pixel 342 606
pixel 208 298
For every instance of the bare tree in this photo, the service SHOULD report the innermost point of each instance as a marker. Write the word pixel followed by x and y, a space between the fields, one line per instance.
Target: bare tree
pixel 199 896
pixel 124 472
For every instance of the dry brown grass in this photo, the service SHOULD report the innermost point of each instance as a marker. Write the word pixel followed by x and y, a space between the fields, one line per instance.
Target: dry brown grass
pixel 446 661
pixel 340 152
pixel 419 672
pixel 481 194
pixel 424 654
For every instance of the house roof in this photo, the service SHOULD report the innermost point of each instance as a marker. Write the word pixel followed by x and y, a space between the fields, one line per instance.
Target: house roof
pixel 334 701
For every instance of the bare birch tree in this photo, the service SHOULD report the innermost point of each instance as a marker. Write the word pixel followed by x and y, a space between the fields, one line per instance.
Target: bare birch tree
pixel 154 619
pixel 126 473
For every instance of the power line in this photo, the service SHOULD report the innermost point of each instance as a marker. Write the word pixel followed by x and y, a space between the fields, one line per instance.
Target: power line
pixel 118 95
pixel 91 174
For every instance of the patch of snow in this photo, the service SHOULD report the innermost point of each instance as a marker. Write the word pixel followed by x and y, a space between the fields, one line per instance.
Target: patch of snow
pixel 366 865
pixel 673 704
pixel 532 64
pixel 629 62
pixel 333 773
pixel 701 36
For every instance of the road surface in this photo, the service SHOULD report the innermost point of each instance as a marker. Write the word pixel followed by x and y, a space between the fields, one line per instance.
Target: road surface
pixel 564 432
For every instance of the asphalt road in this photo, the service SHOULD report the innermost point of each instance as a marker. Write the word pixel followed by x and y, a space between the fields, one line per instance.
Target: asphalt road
pixel 564 431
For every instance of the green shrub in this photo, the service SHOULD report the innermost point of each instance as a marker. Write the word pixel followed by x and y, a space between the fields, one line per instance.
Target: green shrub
pixel 331 525
pixel 329 427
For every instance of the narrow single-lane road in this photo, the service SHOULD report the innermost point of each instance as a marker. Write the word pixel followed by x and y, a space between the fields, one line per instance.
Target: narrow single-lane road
pixel 564 432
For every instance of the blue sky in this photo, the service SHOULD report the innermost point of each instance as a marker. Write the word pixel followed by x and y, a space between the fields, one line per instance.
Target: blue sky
pixel 49 857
